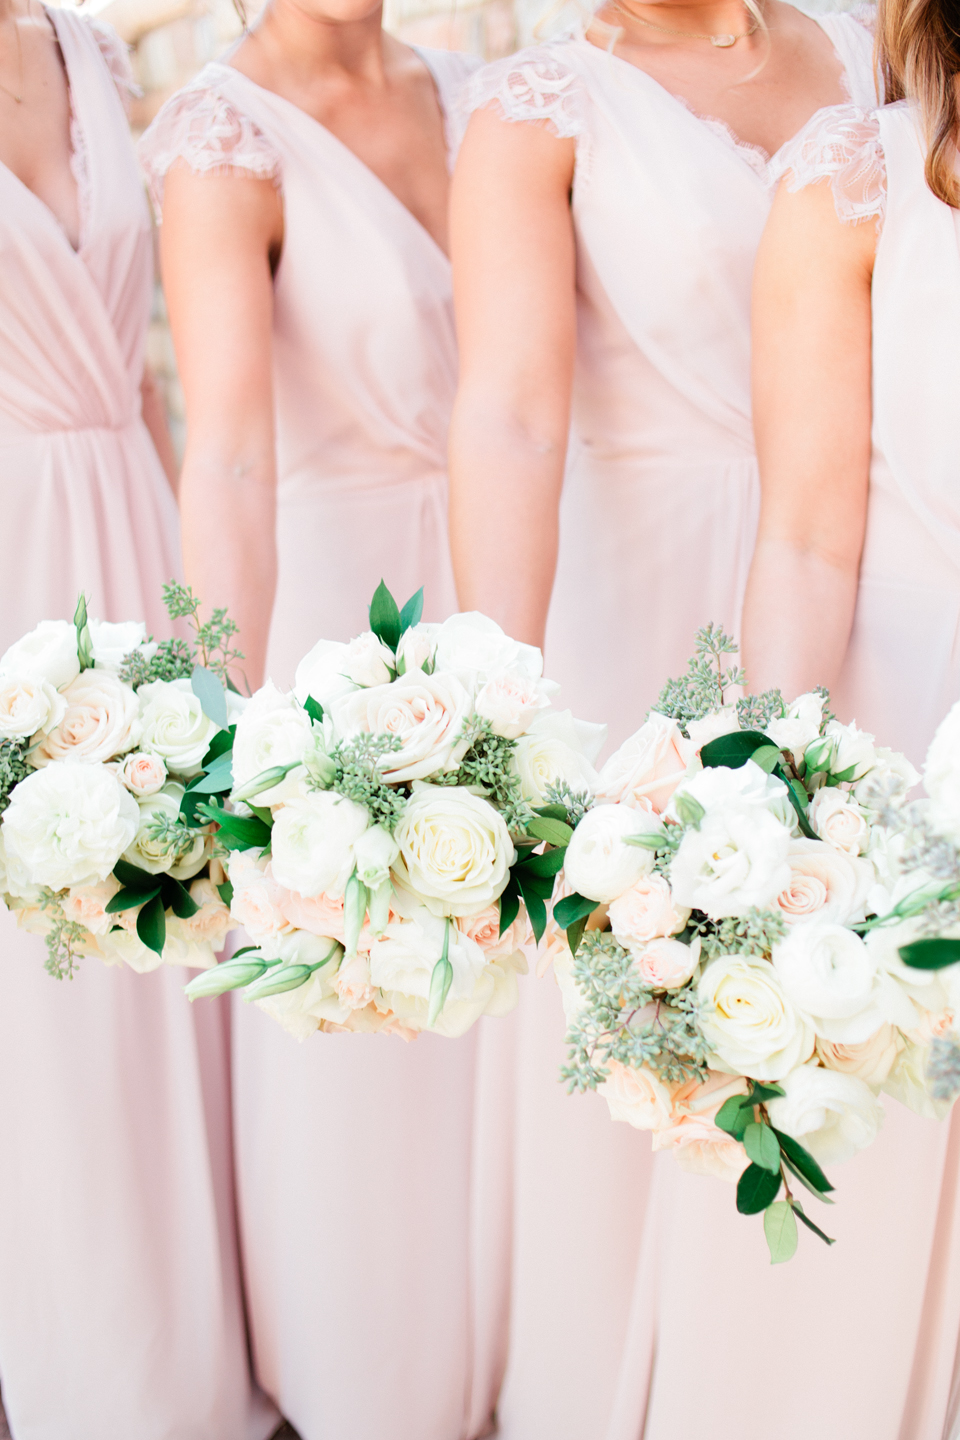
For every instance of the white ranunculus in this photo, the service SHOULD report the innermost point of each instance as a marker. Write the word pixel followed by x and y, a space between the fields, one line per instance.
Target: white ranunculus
pixel 748 1020
pixel 175 726
pixel 647 768
pixel 829 974
pixel 831 1114
pixel 112 643
pixel 273 730
pixel 312 843
pixel 839 820
pixel 800 726
pixel 556 750
pixel 402 963
pixel 737 859
pixel 49 653
pixel 825 884
pixel 368 661
pixel 455 850
pixel 852 749
pixel 471 642
pixel 142 774
pixel 417 647
pixel 511 700
pixel 375 852
pixel 941 774
pixel 102 720
pixel 907 1082
pixel 718 788
pixel 29 706
pixel 599 863
pixel 711 727
pixel 321 675
pixel 870 1061
pixel 888 782
pixel 67 825
pixel 426 713
pixel 153 855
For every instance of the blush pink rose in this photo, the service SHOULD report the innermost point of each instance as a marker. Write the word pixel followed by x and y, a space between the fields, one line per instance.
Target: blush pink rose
pixel 143 774
pixel 645 912
pixel 212 922
pixel 484 928
pixel 86 905
pixel 699 1145
pixel 667 964
pixel 647 768
pixel 320 914
pixel 871 1060
pixel 353 983
pixel 257 898
pixel 637 1096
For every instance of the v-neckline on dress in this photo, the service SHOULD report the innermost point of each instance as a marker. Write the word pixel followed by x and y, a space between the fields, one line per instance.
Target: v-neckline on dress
pixel 371 175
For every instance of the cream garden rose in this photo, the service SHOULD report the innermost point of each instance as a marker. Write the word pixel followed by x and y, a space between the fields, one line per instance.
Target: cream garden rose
pixel 455 850
pixel 800 726
pixel 67 825
pixel 29 706
pixel 368 661
pixel 426 713
pixel 557 750
pixel 839 820
pixel 155 855
pixel 833 1115
pixel 174 725
pixel 511 700
pixel 749 1021
pixel 720 788
pixel 402 963
pixel 647 768
pixel 113 642
pixel 48 653
pixel 599 862
pixel 312 843
pixel 321 675
pixel 102 719
pixel 473 643
pixel 825 884
pixel 257 898
pixel 870 1061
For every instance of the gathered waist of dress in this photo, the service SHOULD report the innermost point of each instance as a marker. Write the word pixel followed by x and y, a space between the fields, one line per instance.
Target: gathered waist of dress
pixel 311 482
pixel 14 433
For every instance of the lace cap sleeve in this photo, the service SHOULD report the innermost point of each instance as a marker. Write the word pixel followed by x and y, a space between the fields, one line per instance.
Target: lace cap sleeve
pixel 842 145
pixel 204 127
pixel 534 84
pixel 116 53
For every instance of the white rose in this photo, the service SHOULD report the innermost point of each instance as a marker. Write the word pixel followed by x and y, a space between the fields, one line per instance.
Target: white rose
pixel 852 749
pixel 273 730
pixel 800 726
pixel 455 850
pixel 719 788
pixel 175 726
pixel 941 773
pixel 748 1020
pixel 112 643
pixel 557 750
pixel 28 706
pixel 48 653
pixel 888 782
pixel 312 843
pixel 102 719
pixel 375 852
pixel 711 727
pixel 832 1115
pixel 599 863
pixel 646 912
pixel 907 1082
pixel 829 974
pixel 870 1061
pixel 143 774
pixel 825 884
pixel 839 820
pixel 637 1096
pixel 153 855
pixel 416 648
pixel 402 964
pixel 737 859
pixel 66 824
pixel 473 642
pixel 647 768
pixel 321 675
pixel 368 661
pixel 511 700
pixel 121 946
pixel 425 712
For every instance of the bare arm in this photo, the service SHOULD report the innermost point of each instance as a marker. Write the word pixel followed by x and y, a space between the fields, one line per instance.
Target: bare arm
pixel 155 419
pixel 812 413
pixel 514 286
pixel 217 237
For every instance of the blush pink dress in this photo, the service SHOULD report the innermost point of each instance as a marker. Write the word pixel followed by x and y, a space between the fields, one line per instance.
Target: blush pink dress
pixel 657 526
pixel 370 1298
pixel 120 1304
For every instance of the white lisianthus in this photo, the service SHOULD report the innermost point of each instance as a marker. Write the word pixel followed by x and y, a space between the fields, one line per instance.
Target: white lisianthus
pixel 142 774
pixel 471 642
pixel 870 1061
pixel 112 643
pixel 374 853
pixel 825 884
pixel 831 1114
pixel 426 713
pixel 512 699
pixel 839 820
pixel 599 862
pixel 851 749
pixel 888 782
pixel 455 850
pixel 719 787
pixel 941 774
pixel 312 843
pixel 401 967
pixel 748 1020
pixel 154 855
pixel 800 726
pixel 830 975
pixel 48 653
pixel 721 722
pixel 368 661
pixel 417 647
pixel 736 860
pixel 67 825
pixel 647 768
pixel 102 719
pixel 636 1096
pixel 557 749
pixel 301 1011
pixel 273 730
pixel 321 675
pixel 29 706
pixel 174 725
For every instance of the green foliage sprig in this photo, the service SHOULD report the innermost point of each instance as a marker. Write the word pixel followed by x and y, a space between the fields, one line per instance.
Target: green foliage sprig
pixel 63 939
pixel 13 768
pixel 755 933
pixel 359 777
pixel 214 637
pixel 173 660
pixel 703 688
pixel 489 765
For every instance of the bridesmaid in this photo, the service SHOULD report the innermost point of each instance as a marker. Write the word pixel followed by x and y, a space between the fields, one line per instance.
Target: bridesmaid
pixel 120 1304
pixel 603 249
pixel 303 187
pixel 856 578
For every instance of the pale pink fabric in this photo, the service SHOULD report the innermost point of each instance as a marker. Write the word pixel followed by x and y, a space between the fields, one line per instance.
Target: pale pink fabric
pixel 657 525
pixel 120 1303
pixel 375 1309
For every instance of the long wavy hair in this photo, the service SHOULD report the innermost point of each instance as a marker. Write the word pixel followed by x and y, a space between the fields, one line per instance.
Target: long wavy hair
pixel 918 56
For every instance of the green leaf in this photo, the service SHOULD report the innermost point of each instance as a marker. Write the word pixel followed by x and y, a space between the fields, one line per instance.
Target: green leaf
pixel 803 1160
pixel 552 812
pixel 537 912
pixel 530 883
pixel 385 617
pixel 82 626
pixel 736 749
pixel 133 877
pixel 652 839
pixel 209 690
pixel 840 777
pixel 554 832
pixel 127 899
pixel 411 612
pixel 756 1189
pixel 575 933
pixel 810 1225
pixel 735 1115
pixel 219 745
pixel 768 757
pixel 805 1182
pixel 780 1228
pixel 798 799
pixel 314 709
pixel 544 865
pixel 278 980
pixel 761 1145
pixel 573 907
pixel 760 1094
pixel 509 907
pixel 225 891
pixel 152 925
pixel 238 832
pixel 931 954
pixel 179 899
pixel 218 778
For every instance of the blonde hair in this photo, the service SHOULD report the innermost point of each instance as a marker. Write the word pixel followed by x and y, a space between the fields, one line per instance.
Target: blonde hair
pixel 918 57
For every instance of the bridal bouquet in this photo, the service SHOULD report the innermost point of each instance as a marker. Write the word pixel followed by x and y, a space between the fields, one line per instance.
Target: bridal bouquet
pixel 396 825
pixel 101 733
pixel 759 937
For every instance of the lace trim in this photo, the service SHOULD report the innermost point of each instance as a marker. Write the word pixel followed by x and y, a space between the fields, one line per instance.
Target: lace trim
pixel 207 130
pixel 116 52
pixel 117 56
pixel 842 145
pixel 534 85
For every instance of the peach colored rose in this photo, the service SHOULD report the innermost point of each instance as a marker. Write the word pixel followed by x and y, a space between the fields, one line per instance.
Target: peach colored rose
pixel 645 912
pixel 512 699
pixel 484 928
pixel 143 774
pixel 320 914
pixel 870 1061
pixel 701 1146
pixel 667 964
pixel 86 905
pixel 826 883
pixel 102 719
pixel 353 983
pixel 637 1096
pixel 211 923
pixel 258 900
pixel 647 768
pixel 839 820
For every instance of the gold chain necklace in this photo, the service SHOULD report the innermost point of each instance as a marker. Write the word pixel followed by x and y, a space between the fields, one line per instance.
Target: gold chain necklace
pixel 16 98
pixel 722 42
